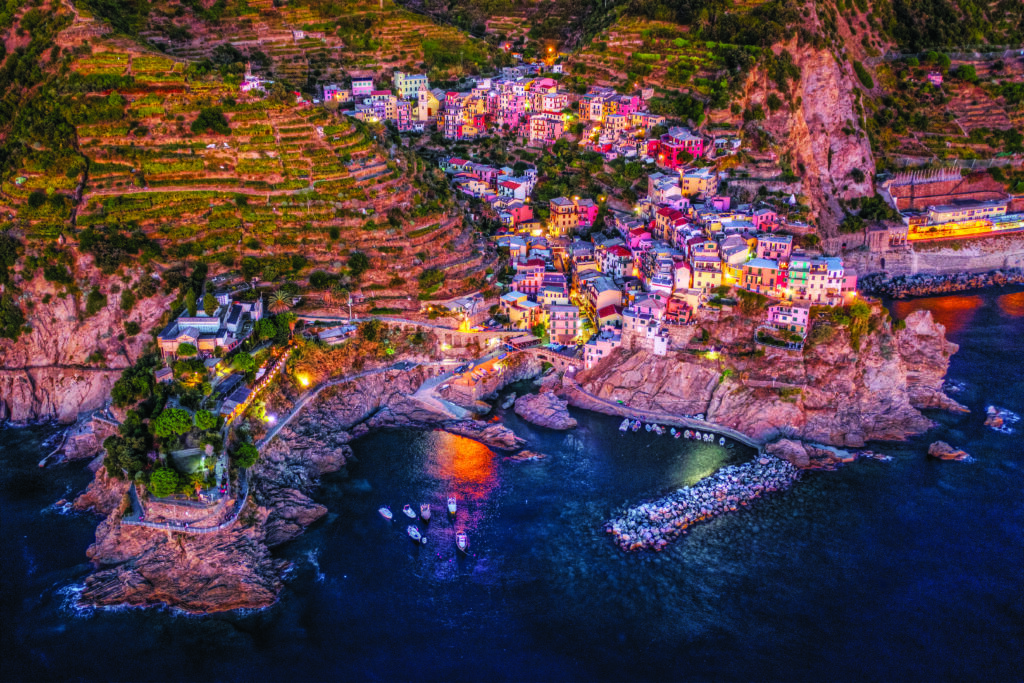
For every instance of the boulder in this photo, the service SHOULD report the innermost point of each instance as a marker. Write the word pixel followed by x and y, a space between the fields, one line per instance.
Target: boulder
pixel 545 410
pixel 943 451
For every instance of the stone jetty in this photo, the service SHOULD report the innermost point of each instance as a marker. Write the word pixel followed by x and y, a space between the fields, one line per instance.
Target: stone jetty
pixel 652 526
pixel 922 284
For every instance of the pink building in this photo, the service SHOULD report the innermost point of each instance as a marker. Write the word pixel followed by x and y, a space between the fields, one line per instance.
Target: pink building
pixel 764 219
pixel 587 211
pixel 677 146
pixel 789 317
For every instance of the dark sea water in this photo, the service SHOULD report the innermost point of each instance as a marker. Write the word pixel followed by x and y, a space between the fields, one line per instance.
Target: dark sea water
pixel 910 570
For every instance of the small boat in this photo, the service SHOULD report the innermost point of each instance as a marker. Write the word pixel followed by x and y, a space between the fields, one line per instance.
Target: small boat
pixel 677 435
pixel 647 427
pixel 688 434
pixel 625 425
pixel 697 436
pixel 385 512
pixel 409 512
pixel 700 416
pixel 415 534
pixel 636 425
pixel 672 431
pixel 721 441
pixel 659 430
pixel 451 505
pixel 425 511
pixel 462 541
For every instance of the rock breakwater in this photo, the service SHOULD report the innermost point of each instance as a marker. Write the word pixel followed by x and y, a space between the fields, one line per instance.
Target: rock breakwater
pixel 904 286
pixel 652 526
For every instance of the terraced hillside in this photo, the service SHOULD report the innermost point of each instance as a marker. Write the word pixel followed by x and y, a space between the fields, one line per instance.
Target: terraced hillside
pixel 314 42
pixel 175 153
pixel 636 51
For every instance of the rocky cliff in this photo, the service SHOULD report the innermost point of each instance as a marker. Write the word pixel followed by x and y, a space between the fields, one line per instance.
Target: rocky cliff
pixel 818 130
pixel 48 373
pixel 828 393
pixel 236 568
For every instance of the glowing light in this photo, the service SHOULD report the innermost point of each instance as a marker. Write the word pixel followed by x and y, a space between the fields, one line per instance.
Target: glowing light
pixel 712 355
pixel 303 380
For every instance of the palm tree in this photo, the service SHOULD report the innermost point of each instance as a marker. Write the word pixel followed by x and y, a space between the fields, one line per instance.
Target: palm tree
pixel 280 301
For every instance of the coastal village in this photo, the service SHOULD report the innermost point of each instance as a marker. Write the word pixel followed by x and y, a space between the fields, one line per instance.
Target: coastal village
pixel 580 276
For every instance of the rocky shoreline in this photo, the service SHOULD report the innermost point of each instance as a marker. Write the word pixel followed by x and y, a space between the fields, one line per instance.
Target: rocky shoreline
pixel 652 526
pixel 903 286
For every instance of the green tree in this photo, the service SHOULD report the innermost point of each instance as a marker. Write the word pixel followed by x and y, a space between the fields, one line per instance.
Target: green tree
pixel 243 362
pixel 94 302
pixel 163 482
pixel 265 328
pixel 358 263
pixel 211 119
pixel 11 318
pixel 190 302
pixel 171 422
pixel 187 350
pixel 205 420
pixel 246 455
pixel 279 301
pixel 210 304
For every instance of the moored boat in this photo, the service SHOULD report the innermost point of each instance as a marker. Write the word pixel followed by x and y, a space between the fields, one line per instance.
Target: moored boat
pixel 409 512
pixel 625 424
pixel 415 534
pixel 636 425
pixel 647 427
pixel 385 512
pixel 462 541
pixel 721 441
pixel 451 505
pixel 672 431
pixel 678 434
pixel 425 510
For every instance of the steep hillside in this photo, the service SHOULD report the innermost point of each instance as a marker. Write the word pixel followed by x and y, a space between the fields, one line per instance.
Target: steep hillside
pixel 129 176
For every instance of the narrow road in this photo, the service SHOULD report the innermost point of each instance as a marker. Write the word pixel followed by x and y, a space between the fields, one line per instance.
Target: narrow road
pixel 314 392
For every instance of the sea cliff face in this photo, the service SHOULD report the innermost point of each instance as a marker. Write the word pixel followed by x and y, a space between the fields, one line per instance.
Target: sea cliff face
pixel 827 394
pixel 235 568
pixel 45 375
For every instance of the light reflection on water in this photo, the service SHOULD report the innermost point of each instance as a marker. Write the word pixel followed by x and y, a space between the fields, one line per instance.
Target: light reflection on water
pixel 954 312
pixel 1011 304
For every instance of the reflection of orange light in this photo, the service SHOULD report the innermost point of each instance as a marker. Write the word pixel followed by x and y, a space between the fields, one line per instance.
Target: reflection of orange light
pixel 466 464
pixel 951 311
pixel 1012 304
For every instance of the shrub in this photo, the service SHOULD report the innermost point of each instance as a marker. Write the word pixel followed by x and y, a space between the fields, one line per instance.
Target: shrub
pixel 11 318
pixel 163 482
pixel 187 350
pixel 132 328
pixel 246 455
pixel 205 420
pixel 94 302
pixel 211 119
pixel 863 75
pixel 171 422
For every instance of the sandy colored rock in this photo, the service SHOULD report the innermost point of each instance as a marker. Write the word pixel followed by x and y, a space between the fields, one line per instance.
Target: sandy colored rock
pixel 828 394
pixel 943 451
pixel 545 410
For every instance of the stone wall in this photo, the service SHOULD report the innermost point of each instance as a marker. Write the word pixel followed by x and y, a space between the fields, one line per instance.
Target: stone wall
pixel 942 258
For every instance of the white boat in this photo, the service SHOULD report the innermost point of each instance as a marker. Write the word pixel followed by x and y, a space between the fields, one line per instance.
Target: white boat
pixel 425 511
pixel 462 541
pixel 678 434
pixel 451 505
pixel 697 436
pixel 385 512
pixel 647 427
pixel 415 534
pixel 625 425
pixel 409 512
pixel 721 441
